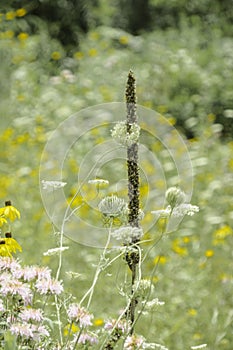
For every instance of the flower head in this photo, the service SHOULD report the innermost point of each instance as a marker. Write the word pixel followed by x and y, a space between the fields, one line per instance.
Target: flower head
pixel 175 196
pixel 88 339
pixel 9 212
pixel 127 234
pixel 134 342
pixel 55 251
pixel 112 206
pixel 31 315
pixel 52 185
pixel 99 182
pixel 79 314
pixel 49 286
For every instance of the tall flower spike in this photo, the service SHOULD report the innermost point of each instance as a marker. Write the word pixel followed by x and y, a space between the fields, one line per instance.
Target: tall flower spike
pixel 132 153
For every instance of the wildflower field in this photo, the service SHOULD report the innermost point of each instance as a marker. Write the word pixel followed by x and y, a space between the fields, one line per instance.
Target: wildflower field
pixel 108 149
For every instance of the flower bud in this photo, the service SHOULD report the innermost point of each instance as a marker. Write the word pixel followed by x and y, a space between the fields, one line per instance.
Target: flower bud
pixel 175 197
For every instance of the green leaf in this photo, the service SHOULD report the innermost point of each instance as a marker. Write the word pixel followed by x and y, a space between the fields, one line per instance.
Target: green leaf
pixel 10 341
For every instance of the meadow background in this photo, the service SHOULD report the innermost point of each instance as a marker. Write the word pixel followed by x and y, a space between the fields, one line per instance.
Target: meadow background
pixel 58 57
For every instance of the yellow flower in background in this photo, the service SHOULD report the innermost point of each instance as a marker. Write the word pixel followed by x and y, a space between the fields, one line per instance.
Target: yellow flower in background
pixel 172 120
pixel 98 322
pixel 160 259
pixel 209 253
pixel 124 40
pixel 78 55
pixel 92 52
pixel 211 117
pixel 9 34
pixel 221 234
pixel 22 36
pixel 55 55
pixel 70 329
pixel 10 15
pixel 21 12
pixel 192 312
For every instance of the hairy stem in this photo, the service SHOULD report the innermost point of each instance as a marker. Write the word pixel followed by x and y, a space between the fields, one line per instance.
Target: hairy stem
pixel 132 257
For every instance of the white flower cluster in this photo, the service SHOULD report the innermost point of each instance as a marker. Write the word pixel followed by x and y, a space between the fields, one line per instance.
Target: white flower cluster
pixel 127 234
pixel 176 206
pixel 55 251
pixel 98 182
pixel 112 206
pixel 120 134
pixel 54 185
pixel 202 346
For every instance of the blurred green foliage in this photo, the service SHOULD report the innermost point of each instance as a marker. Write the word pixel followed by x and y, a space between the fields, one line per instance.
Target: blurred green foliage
pixel 54 62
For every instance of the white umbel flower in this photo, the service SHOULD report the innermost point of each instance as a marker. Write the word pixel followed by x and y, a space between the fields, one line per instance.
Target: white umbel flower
pixel 127 234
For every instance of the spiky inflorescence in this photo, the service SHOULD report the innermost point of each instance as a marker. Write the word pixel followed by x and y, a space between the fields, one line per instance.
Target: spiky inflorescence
pixel 132 153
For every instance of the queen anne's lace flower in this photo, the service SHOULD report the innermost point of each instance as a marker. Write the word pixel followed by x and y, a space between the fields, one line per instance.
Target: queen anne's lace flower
pixel 177 208
pixel 52 185
pixel 54 251
pixel 99 182
pixel 127 233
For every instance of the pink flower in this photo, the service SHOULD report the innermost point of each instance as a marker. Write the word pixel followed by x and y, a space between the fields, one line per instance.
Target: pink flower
pixel 49 286
pixel 31 315
pixel 79 314
pixel 121 325
pixel 7 263
pixel 29 331
pixel 21 329
pixel 86 338
pixel 133 342
pixel 15 287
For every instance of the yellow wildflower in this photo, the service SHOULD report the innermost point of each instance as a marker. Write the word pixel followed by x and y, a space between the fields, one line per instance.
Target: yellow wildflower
pixel 124 40
pixel 2 221
pixel 22 36
pixel 172 120
pixel 78 55
pixel 98 322
pixel 4 248
pixel 92 52
pixel 10 15
pixel 220 234
pixel 21 12
pixel 9 211
pixel 9 245
pixel 209 253
pixel 12 243
pixel 9 34
pixel 160 259
pixel 192 312
pixel 70 329
pixel 55 55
